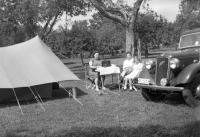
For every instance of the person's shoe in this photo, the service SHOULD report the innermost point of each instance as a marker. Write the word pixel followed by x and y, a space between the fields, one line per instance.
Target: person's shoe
pixel 125 88
pixel 103 88
pixel 130 88
pixel 97 89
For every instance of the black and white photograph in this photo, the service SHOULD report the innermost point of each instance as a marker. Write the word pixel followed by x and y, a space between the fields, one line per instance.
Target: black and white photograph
pixel 99 68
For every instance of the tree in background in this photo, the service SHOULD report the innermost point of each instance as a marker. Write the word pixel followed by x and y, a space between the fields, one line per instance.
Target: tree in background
pixel 154 31
pixel 122 14
pixel 33 17
pixel 80 39
pixel 110 36
pixel 189 17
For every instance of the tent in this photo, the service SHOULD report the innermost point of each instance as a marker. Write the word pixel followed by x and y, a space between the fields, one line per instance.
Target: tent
pixel 30 67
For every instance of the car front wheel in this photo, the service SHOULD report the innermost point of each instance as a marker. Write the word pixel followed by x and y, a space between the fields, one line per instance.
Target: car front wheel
pixel 191 91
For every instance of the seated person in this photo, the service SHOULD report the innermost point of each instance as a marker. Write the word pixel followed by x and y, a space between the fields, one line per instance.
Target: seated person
pixel 136 69
pixel 93 64
pixel 127 65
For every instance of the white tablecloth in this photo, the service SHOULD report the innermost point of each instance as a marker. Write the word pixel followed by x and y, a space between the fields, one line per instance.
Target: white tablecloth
pixel 113 69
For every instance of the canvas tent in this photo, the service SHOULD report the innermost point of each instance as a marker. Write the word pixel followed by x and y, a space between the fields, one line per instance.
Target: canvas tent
pixel 30 65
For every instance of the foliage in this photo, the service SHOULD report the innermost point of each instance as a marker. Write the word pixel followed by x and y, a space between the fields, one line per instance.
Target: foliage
pixel 155 30
pixel 189 16
pixel 107 37
pixel 123 14
pixel 33 17
pixel 110 36
pixel 100 35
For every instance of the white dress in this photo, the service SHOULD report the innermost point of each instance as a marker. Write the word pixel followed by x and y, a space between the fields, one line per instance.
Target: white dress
pixel 137 68
pixel 127 63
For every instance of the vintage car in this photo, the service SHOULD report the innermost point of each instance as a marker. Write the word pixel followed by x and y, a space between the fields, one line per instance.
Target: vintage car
pixel 174 73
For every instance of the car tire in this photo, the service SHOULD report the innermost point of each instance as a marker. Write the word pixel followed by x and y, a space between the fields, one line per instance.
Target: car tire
pixel 189 93
pixel 151 95
pixel 189 97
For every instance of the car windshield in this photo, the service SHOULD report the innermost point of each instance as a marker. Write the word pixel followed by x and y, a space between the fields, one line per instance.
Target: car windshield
pixel 190 40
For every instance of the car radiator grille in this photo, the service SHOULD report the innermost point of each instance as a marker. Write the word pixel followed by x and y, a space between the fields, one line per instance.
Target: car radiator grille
pixel 161 69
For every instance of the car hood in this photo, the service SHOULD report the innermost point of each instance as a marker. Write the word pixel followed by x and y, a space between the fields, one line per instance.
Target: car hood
pixel 182 53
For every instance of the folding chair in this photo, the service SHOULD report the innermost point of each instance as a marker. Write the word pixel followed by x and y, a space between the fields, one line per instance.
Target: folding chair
pixel 133 82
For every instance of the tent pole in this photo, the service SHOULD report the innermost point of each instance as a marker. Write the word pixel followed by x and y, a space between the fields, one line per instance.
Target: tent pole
pixel 70 94
pixel 39 96
pixel 18 101
pixel 36 98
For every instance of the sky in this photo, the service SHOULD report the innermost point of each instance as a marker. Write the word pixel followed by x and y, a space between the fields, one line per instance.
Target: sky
pixel 167 8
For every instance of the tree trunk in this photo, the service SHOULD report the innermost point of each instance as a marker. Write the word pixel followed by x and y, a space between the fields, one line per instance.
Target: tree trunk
pixel 139 50
pixel 146 51
pixel 81 55
pixel 129 39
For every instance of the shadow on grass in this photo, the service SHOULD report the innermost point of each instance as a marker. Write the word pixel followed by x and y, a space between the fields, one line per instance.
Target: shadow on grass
pixel 61 93
pixel 113 86
pixel 175 99
pixel 188 130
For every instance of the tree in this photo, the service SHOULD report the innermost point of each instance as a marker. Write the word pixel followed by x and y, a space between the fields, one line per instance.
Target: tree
pixel 120 13
pixel 154 30
pixel 189 16
pixel 79 39
pixel 109 35
pixel 35 17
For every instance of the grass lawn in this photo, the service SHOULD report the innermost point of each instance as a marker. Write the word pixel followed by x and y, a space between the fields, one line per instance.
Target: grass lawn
pixel 110 115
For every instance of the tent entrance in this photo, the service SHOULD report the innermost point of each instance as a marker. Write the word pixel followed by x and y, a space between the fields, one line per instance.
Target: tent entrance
pixel 24 94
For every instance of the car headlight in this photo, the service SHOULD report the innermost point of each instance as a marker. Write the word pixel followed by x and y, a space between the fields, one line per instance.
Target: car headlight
pixel 174 63
pixel 149 64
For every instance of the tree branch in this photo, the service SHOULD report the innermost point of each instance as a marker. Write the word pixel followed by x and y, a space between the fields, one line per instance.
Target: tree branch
pixel 136 9
pixel 46 25
pixel 107 12
pixel 119 11
pixel 51 25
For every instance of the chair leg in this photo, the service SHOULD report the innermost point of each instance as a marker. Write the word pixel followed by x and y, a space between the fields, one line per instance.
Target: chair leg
pixel 89 83
pixel 134 88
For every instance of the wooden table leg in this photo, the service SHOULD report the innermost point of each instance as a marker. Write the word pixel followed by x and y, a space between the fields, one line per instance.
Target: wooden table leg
pixel 102 84
pixel 119 82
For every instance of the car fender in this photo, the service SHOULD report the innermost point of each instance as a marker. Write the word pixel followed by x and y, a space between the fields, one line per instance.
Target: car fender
pixel 187 74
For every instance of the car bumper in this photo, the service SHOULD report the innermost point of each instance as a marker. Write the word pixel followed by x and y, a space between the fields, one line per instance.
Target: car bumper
pixel 156 87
